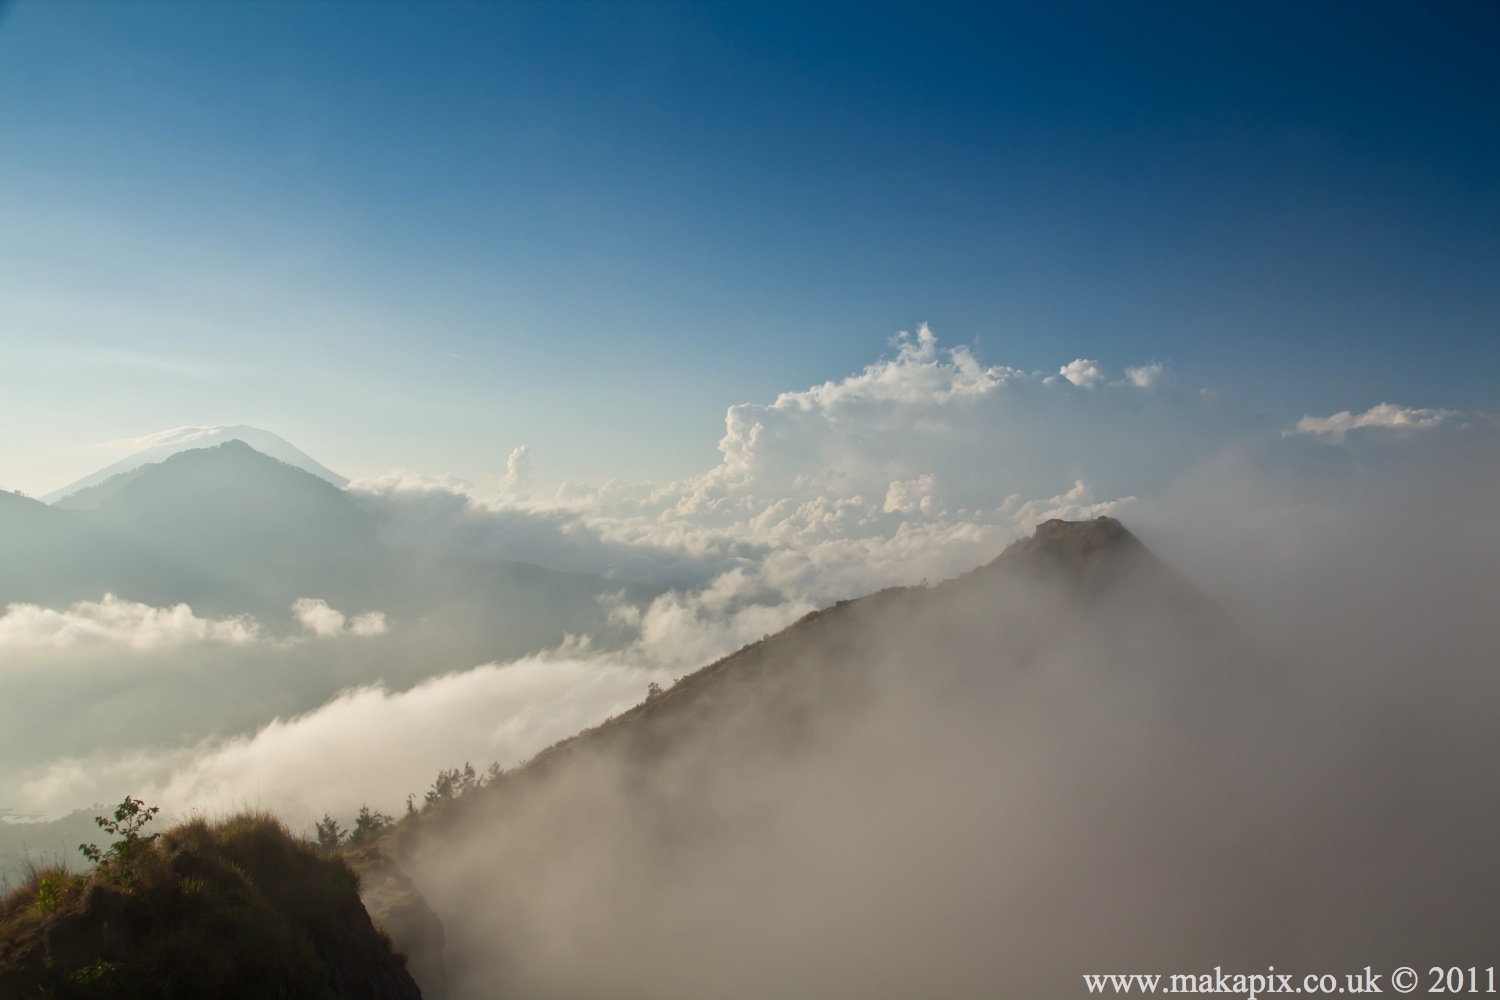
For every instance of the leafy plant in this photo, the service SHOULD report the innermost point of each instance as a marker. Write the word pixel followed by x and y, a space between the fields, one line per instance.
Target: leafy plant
pixel 452 783
pixel 330 835
pixel 123 857
pixel 98 974
pixel 368 824
pixel 54 889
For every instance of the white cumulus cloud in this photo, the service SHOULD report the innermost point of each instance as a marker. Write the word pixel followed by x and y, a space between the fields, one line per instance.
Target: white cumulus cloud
pixel 921 464
pixel 1083 373
pixel 517 479
pixel 314 615
pixel 1335 428
pixel 906 496
pixel 1148 376
pixel 369 623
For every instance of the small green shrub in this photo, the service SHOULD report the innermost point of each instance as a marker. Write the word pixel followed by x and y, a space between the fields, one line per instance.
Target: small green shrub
pixel 368 825
pixel 98 974
pixel 55 889
pixel 450 784
pixel 330 834
pixel 121 861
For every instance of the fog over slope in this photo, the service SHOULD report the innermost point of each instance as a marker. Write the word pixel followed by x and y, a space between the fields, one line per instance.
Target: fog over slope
pixel 1068 762
pixel 1358 543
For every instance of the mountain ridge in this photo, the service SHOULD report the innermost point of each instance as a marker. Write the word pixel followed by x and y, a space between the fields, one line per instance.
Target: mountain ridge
pixel 1089 557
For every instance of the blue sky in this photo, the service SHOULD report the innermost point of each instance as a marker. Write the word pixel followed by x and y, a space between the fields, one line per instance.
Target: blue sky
pixel 417 235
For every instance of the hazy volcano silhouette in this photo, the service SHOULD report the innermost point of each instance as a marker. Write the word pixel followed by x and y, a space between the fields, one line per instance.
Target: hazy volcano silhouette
pixel 86 493
pixel 229 530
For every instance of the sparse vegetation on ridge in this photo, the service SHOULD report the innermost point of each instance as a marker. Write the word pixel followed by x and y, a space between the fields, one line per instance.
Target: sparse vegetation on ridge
pixel 235 908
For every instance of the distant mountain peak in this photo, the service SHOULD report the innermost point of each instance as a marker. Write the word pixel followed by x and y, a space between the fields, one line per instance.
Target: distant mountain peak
pixel 163 445
pixel 1092 542
pixel 1088 554
pixel 1093 539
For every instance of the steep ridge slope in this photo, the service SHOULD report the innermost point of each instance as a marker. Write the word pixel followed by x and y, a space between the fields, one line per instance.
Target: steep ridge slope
pixel 1071 582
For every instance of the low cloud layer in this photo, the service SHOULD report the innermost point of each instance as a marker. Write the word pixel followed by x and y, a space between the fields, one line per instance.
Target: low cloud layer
pixel 114 622
pixel 131 689
pixel 368 745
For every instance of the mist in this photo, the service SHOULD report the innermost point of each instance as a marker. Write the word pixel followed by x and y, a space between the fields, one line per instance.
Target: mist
pixel 996 789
